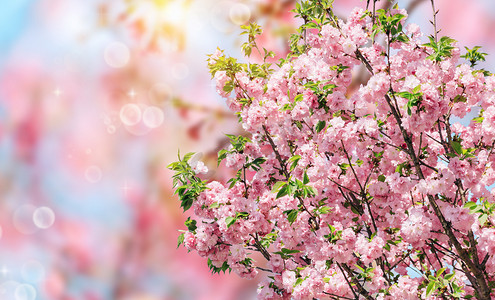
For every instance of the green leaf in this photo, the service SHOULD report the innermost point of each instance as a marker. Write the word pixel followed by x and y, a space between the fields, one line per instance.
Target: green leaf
pixel 448 277
pixel 299 281
pixel 229 86
pixel 417 90
pixel 343 166
pixel 222 154
pixel 289 251
pixel 360 268
pixel 181 190
pixel 190 224
pixel 282 192
pixel 230 221
pixel 353 209
pixel 291 215
pixel 305 178
pixel 457 147
pixel 482 219
pixel 258 161
pixel 276 187
pixel 312 191
pixel 320 126
pixel 471 205
pixel 460 98
pixel 430 288
pixel 188 156
pixel 286 253
pixel 298 98
pixel 294 160
pixel 214 205
pixel 474 56
pixel 214 269
pixel 440 272
pixel 242 215
pixel 186 202
pixel 478 119
pixel 381 178
pixel 180 239
pixel 441 49
pixel 329 87
pixel 324 210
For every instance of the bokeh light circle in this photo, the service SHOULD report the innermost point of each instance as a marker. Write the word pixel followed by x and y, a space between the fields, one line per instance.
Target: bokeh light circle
pixel 153 117
pixel 239 14
pixel 139 129
pixel 33 271
pixel 23 219
pixel 93 174
pixel 8 289
pixel 43 217
pixel 25 292
pixel 117 55
pixel 130 114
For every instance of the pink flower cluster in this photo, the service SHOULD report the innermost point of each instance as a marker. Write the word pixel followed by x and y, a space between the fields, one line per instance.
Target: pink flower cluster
pixel 357 186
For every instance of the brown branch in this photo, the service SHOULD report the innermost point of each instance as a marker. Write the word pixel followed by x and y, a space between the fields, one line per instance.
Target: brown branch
pixel 277 154
pixel 361 289
pixel 261 248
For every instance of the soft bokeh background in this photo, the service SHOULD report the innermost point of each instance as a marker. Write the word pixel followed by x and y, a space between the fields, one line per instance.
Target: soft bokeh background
pixel 96 97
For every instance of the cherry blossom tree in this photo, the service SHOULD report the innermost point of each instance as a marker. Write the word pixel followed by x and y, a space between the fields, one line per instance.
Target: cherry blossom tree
pixel 374 193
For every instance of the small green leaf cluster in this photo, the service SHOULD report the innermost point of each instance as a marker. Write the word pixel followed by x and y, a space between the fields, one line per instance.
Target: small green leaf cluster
pixel 191 226
pixel 238 143
pixel 229 221
pixel 484 209
pixel 334 235
pixel 479 119
pixel 252 30
pixel 269 239
pixel 441 49
pixel 390 25
pixel 321 208
pixel 474 56
pixel 298 189
pixel 290 106
pixel 344 166
pixel 339 68
pixel 404 169
pixel 224 63
pixel 230 65
pixel 443 286
pixel 187 185
pixel 215 270
pixel 315 14
pixel 286 253
pixel 414 98
pixel 392 242
pixel 366 273
pixel 321 90
pixel 459 151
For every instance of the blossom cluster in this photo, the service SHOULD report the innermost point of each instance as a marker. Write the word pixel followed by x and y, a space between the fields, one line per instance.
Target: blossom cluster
pixel 346 192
